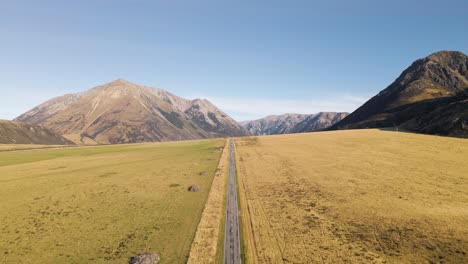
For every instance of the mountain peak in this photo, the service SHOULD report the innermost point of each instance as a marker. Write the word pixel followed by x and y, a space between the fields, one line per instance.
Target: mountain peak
pixel 444 56
pixel 200 101
pixel 119 82
pixel 292 123
pixel 125 112
pixel 424 98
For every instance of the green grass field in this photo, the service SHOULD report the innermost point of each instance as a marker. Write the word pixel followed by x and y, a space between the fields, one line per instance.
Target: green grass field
pixel 103 204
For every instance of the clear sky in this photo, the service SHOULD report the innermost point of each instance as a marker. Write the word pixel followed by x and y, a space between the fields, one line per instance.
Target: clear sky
pixel 250 58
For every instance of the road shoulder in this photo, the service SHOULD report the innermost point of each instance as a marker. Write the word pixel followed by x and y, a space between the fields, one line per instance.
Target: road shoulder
pixel 206 247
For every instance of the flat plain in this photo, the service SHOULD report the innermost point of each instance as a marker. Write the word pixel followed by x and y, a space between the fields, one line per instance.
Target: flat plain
pixel 11 147
pixel 104 204
pixel 355 196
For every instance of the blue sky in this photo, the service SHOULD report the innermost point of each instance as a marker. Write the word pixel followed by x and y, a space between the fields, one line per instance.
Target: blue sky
pixel 251 58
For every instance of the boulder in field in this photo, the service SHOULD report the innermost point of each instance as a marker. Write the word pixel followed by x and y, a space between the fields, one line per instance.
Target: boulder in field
pixel 193 188
pixel 145 258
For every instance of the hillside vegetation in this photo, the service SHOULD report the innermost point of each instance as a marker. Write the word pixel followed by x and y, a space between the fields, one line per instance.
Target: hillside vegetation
pixel 12 132
pixel 354 196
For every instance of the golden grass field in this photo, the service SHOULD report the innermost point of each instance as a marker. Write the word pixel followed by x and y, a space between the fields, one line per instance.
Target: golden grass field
pixel 206 246
pixel 356 196
pixel 103 204
pixel 10 147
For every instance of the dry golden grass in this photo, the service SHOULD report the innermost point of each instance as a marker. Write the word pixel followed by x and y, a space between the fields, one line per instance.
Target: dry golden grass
pixel 357 196
pixel 10 147
pixel 205 244
pixel 103 204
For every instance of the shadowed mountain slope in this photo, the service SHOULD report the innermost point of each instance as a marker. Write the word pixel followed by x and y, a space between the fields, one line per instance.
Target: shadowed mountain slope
pixel 319 121
pixel 428 97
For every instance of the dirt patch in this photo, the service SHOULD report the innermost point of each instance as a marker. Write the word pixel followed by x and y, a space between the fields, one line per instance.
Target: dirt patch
pixel 107 174
pixel 58 168
pixel 203 173
pixel 145 258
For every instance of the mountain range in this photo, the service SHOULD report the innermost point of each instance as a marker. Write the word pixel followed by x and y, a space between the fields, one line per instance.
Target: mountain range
pixel 430 96
pixel 292 123
pixel 124 112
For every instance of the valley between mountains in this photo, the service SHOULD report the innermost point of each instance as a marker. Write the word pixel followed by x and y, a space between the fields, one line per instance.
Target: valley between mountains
pixel 430 97
pixel 124 172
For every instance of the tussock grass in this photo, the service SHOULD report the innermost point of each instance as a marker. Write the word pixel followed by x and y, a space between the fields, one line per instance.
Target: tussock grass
pixel 359 196
pixel 103 204
pixel 205 246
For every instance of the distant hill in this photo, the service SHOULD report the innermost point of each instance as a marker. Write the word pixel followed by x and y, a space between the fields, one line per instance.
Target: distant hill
pixel 431 96
pixel 319 121
pixel 124 112
pixel 12 132
pixel 292 123
pixel 274 124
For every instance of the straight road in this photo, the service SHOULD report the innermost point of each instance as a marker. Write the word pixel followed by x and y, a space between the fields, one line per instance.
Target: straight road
pixel 232 253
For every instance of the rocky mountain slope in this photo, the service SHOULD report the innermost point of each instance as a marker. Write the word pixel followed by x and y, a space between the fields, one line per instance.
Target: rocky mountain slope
pixel 274 124
pixel 428 97
pixel 12 132
pixel 124 112
pixel 319 121
pixel 292 123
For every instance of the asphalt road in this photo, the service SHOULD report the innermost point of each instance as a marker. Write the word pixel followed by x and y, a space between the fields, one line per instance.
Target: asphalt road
pixel 232 252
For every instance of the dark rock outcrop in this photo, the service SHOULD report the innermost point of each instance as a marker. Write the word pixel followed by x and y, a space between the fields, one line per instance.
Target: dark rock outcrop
pixel 193 188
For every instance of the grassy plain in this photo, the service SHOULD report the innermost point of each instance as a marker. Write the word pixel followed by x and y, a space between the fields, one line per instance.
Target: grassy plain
pixel 103 204
pixel 356 196
pixel 10 147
